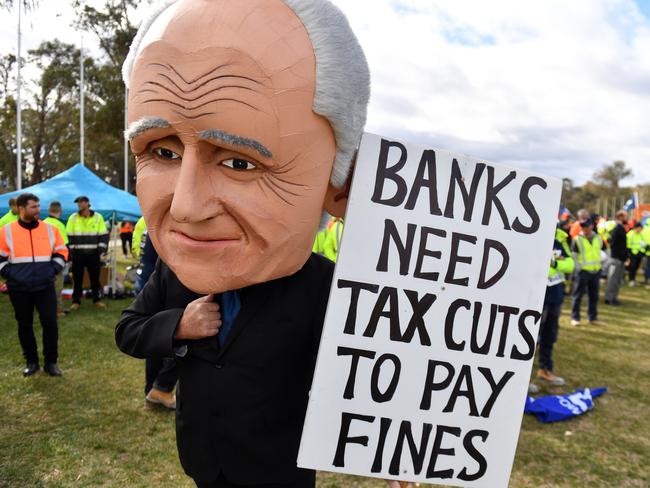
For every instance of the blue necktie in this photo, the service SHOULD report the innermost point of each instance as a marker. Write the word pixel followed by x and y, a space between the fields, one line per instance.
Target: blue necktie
pixel 230 306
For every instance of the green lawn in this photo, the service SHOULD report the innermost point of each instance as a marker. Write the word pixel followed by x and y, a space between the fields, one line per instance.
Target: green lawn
pixel 89 428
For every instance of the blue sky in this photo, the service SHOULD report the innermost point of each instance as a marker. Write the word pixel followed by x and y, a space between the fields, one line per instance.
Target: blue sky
pixel 644 7
pixel 557 87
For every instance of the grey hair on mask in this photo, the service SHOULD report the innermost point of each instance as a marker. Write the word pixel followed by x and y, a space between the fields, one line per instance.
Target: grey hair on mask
pixel 342 74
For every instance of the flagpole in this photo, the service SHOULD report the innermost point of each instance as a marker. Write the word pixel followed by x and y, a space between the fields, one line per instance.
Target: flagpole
pixel 126 143
pixel 81 102
pixel 19 125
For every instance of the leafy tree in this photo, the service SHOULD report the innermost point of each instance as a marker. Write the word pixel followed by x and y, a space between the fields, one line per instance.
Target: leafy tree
pixel 8 108
pixel 7 122
pixel 611 175
pixel 50 134
pixel 6 72
pixel 51 101
pixel 115 32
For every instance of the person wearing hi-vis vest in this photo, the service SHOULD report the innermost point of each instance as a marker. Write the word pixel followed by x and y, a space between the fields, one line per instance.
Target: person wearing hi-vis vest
pixel 11 215
pixel 333 238
pixel 88 240
pixel 645 233
pixel 32 253
pixel 586 248
pixel 637 247
pixel 138 231
pixel 327 240
pixel 562 264
pixel 54 218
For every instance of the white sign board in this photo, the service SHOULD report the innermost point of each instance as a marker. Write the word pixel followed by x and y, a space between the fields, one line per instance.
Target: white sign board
pixel 433 315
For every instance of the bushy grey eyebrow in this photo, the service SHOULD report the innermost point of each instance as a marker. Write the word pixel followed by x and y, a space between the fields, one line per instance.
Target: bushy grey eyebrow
pixel 236 141
pixel 143 125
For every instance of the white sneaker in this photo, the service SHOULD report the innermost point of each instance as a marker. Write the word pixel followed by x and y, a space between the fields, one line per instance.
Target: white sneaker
pixel 575 323
pixel 632 283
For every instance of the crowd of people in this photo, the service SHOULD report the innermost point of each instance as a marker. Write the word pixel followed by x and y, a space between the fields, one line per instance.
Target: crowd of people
pixel 586 251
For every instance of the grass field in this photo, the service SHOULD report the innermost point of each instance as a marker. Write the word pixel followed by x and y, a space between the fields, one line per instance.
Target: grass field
pixel 90 429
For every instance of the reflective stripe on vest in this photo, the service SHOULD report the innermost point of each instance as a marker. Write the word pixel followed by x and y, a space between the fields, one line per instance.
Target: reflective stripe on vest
pixel 50 234
pixel 10 243
pixel 30 246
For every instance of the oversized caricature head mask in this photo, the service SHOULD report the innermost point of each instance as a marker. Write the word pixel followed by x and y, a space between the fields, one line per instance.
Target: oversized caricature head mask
pixel 242 132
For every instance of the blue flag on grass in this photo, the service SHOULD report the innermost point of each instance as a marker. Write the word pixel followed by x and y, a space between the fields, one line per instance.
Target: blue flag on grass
pixel 555 408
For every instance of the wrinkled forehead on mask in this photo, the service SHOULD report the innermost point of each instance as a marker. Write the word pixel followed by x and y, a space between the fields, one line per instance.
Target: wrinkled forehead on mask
pixel 271 32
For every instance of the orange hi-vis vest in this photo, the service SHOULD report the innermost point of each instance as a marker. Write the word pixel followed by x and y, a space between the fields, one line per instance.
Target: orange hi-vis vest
pixel 126 228
pixel 31 254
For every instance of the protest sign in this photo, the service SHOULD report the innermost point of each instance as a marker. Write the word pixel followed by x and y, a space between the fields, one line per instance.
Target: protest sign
pixel 433 315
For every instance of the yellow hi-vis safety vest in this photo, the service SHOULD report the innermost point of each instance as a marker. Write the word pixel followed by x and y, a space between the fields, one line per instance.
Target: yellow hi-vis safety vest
pixel 87 235
pixel 635 242
pixel 588 258
pixel 645 235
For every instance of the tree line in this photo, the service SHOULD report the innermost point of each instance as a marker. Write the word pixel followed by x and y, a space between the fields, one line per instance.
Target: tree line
pixel 50 100
pixel 604 193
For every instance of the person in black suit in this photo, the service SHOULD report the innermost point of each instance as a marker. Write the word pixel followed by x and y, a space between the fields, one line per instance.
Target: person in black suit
pixel 241 141
pixel 240 405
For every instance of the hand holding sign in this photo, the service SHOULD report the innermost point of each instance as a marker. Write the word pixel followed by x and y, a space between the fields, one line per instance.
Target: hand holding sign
pixel 201 319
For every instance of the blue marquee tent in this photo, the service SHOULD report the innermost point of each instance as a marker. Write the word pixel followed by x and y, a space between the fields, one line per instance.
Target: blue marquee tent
pixel 76 181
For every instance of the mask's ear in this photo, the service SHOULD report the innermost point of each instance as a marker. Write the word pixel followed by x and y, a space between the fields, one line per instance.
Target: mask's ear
pixel 336 199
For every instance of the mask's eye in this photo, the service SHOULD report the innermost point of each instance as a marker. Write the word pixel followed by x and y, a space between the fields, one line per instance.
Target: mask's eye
pixel 239 164
pixel 164 153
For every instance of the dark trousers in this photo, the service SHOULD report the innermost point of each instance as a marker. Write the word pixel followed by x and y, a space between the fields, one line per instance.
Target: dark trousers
pixel 127 241
pixel 45 302
pixel 635 262
pixel 646 271
pixel 306 478
pixel 588 283
pixel 79 263
pixel 161 374
pixel 548 332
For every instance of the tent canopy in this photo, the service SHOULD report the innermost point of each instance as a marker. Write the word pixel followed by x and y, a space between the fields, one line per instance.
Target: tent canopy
pixel 76 181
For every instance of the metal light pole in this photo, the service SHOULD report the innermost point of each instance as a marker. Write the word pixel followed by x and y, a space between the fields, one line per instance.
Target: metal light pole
pixel 19 125
pixel 126 143
pixel 81 102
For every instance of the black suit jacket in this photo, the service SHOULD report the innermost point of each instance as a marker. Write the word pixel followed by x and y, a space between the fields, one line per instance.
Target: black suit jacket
pixel 618 243
pixel 241 407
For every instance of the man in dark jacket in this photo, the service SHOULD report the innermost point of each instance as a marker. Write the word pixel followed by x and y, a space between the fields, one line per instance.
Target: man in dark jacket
pixel 619 258
pixel 241 404
pixel 32 253
pixel 232 189
pixel 88 241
